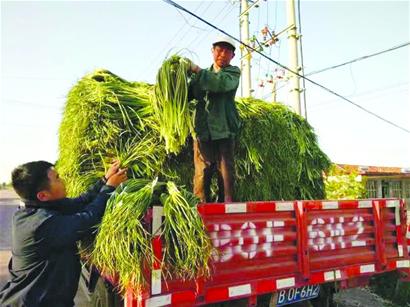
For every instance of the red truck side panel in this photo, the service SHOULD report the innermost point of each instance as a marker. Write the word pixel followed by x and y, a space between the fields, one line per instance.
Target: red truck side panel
pixel 268 246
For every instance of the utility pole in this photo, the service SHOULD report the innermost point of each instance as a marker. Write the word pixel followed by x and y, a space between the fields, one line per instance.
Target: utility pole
pixel 293 38
pixel 245 53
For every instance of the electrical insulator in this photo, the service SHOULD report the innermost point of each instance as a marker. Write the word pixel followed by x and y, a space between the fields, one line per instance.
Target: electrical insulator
pixel 280 73
pixel 252 41
pixel 272 40
pixel 265 32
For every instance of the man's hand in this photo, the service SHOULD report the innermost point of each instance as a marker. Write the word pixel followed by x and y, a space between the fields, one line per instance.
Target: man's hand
pixel 112 170
pixel 116 179
pixel 191 66
pixel 195 68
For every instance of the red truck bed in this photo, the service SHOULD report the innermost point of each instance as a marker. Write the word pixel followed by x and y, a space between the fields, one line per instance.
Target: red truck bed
pixel 269 246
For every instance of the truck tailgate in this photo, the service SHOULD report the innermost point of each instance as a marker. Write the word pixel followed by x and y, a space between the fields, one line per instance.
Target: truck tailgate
pixel 264 247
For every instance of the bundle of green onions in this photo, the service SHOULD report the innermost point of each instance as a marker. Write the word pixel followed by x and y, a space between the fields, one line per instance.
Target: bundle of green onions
pixel 171 103
pixel 123 245
pixel 188 247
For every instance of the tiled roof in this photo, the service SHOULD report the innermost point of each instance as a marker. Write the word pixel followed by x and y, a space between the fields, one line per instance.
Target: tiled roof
pixel 369 170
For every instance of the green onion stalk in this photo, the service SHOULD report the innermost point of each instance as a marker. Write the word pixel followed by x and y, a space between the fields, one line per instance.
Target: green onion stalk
pixel 188 248
pixel 123 244
pixel 170 103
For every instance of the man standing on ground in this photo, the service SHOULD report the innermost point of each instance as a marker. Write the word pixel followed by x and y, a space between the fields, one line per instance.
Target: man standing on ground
pixel 45 265
pixel 216 121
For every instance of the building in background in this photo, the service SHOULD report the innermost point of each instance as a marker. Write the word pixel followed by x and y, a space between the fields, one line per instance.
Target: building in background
pixel 382 181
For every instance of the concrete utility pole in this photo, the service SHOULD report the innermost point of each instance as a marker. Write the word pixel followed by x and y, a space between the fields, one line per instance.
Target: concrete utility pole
pixel 245 54
pixel 293 57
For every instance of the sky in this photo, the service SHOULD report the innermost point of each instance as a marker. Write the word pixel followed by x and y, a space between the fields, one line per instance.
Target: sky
pixel 47 46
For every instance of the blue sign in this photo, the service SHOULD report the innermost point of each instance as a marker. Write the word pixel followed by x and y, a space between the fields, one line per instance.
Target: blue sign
pixel 293 295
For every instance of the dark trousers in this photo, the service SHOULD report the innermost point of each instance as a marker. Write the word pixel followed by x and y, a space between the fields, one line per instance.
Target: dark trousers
pixel 214 157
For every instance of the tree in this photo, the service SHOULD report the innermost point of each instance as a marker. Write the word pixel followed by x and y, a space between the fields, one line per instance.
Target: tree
pixel 340 184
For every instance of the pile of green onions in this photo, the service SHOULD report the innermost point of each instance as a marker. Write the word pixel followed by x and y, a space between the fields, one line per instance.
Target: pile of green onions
pixel 106 117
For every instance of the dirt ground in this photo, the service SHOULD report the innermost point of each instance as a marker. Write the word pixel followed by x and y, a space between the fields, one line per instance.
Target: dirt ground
pixel 360 297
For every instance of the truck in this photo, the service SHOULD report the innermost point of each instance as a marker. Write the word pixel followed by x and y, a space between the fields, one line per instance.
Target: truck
pixel 276 253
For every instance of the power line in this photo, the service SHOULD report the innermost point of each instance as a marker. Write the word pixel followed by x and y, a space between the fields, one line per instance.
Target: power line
pixel 277 45
pixel 187 22
pixel 285 67
pixel 203 12
pixel 203 36
pixel 7 124
pixel 276 90
pixel 177 33
pixel 32 104
pixel 359 59
pixel 36 78
pixel 378 91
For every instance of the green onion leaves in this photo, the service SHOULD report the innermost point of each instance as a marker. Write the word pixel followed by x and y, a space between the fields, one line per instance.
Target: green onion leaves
pixel 171 103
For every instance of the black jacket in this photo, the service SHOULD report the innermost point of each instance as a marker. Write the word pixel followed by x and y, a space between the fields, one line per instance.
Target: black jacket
pixel 45 266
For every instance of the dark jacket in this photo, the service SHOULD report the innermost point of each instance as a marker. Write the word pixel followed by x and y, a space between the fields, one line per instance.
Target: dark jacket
pixel 216 116
pixel 45 266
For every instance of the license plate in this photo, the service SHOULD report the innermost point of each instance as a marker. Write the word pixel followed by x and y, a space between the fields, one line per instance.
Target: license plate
pixel 293 295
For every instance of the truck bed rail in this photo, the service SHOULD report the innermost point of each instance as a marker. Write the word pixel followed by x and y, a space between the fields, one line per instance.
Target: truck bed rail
pixel 267 246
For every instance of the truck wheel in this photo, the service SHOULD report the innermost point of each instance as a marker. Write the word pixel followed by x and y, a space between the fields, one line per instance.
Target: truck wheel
pixel 325 298
pixel 104 296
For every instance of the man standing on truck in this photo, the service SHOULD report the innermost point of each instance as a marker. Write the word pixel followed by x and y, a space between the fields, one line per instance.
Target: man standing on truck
pixel 45 265
pixel 216 121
